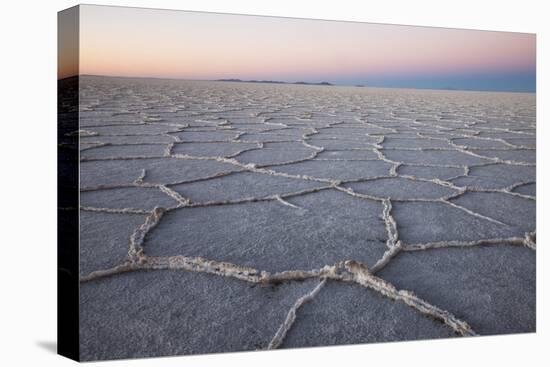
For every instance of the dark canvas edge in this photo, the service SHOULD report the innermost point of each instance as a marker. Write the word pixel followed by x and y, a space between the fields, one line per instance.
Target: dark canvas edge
pixel 67 189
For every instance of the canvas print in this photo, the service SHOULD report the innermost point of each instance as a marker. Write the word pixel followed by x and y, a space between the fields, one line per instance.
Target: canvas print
pixel 239 183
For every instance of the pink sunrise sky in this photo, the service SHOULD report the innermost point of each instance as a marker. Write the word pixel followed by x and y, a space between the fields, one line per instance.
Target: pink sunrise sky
pixel 177 44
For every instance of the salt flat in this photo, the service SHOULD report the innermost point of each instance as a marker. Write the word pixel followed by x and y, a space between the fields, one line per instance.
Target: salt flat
pixel 220 216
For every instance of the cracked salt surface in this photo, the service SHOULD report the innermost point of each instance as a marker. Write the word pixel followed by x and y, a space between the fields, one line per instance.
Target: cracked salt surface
pixel 227 217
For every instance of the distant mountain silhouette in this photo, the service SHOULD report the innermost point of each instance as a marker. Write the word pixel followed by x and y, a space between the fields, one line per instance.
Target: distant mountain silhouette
pixel 270 82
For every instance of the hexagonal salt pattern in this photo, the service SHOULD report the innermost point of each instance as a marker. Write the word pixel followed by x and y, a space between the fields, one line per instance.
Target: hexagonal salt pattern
pixel 229 216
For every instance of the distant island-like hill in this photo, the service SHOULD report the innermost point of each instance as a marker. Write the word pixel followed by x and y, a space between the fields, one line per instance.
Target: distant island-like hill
pixel 271 82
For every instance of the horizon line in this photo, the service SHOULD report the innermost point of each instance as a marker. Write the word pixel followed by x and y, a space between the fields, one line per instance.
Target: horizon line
pixel 267 81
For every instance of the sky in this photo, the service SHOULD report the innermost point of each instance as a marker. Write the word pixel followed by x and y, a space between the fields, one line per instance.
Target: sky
pixel 67 42
pixel 120 41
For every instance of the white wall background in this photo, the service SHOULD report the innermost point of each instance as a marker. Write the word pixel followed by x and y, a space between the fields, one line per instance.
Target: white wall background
pixel 28 179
